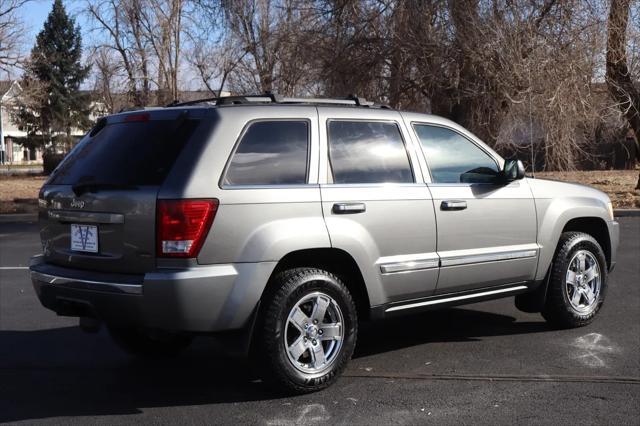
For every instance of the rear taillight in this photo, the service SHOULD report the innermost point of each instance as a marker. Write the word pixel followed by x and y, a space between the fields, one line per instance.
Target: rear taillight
pixel 183 226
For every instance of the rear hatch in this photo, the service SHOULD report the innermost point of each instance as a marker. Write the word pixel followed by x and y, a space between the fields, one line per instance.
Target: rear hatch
pixel 98 208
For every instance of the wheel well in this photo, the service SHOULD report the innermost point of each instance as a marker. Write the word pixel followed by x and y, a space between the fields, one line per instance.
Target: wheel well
pixel 333 260
pixel 595 227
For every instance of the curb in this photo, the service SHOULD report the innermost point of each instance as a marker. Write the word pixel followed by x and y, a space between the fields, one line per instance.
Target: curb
pixel 18 217
pixel 626 212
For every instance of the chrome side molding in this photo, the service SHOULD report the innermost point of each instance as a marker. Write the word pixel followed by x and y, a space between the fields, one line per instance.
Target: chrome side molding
pixel 455 258
pixel 408 262
pixel 420 261
pixel 414 265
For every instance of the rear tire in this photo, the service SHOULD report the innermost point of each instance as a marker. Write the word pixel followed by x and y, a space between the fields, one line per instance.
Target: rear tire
pixel 578 281
pixel 149 344
pixel 307 330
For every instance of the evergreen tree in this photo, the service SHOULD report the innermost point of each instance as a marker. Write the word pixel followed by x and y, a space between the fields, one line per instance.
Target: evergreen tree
pixel 52 103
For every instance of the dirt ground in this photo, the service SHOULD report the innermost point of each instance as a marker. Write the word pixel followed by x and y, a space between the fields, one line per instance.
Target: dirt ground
pixel 18 194
pixel 618 184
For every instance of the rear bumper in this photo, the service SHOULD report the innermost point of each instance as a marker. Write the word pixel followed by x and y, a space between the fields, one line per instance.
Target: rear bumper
pixel 209 298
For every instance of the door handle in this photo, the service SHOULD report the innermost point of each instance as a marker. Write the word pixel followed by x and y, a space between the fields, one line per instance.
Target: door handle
pixel 349 208
pixel 453 205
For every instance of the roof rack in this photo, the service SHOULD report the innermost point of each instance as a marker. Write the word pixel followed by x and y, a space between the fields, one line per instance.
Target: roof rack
pixel 272 98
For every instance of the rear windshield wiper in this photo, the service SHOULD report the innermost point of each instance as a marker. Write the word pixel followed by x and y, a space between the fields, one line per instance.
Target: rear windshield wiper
pixel 82 187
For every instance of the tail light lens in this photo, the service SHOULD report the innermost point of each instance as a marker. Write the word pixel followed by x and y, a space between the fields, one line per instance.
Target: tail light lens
pixel 183 226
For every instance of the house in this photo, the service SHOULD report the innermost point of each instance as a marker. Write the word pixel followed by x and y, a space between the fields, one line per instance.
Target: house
pixel 12 150
pixel 12 136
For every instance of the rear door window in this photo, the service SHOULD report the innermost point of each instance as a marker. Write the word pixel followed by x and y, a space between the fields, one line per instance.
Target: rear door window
pixel 128 153
pixel 367 152
pixel 270 153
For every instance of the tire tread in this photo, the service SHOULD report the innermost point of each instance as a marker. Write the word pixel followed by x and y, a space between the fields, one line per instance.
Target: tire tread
pixel 286 284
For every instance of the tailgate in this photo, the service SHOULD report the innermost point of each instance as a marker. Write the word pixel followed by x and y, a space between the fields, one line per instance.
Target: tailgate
pixel 98 209
pixel 123 224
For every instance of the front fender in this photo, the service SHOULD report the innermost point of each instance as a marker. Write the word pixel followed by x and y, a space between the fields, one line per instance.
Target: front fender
pixel 553 216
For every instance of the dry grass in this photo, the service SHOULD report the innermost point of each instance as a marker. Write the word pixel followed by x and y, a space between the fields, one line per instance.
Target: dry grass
pixel 618 184
pixel 18 194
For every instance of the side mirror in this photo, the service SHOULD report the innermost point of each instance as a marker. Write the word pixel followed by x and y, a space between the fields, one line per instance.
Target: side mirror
pixel 512 170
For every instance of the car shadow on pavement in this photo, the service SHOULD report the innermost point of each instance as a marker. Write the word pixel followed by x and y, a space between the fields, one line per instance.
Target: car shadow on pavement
pixel 448 325
pixel 64 372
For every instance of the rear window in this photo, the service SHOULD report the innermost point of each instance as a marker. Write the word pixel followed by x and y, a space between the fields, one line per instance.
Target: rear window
pixel 131 153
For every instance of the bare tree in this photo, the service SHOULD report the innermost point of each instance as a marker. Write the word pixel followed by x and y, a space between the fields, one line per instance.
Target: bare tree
pixel 11 32
pixel 214 63
pixel 519 73
pixel 120 20
pixel 619 80
pixel 269 34
pixel 162 26
pixel 107 71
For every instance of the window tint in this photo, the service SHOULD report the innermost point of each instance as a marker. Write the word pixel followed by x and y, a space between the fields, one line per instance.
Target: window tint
pixel 452 158
pixel 367 152
pixel 271 153
pixel 131 153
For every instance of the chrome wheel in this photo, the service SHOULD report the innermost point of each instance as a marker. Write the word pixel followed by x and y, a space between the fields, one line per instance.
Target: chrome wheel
pixel 314 333
pixel 583 282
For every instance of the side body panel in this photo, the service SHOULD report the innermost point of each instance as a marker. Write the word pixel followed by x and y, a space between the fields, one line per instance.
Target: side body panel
pixel 492 239
pixel 491 242
pixel 393 239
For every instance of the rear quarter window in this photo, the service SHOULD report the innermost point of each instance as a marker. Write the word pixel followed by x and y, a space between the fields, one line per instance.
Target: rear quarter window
pixel 270 153
pixel 131 153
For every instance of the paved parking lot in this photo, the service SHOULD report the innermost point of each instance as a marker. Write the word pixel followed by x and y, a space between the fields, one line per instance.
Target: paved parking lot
pixel 485 363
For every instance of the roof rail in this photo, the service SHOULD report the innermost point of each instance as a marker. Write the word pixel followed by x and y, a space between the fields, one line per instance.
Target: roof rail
pixel 269 97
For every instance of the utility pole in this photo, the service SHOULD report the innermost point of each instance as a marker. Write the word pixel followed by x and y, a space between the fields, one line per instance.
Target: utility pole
pixel 2 145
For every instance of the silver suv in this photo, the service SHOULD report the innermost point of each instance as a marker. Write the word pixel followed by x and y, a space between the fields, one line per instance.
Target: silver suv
pixel 285 222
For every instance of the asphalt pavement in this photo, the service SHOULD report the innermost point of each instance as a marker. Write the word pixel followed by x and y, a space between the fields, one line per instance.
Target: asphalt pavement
pixel 485 363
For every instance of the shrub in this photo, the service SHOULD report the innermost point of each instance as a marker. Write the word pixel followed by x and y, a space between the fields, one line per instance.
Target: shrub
pixel 50 161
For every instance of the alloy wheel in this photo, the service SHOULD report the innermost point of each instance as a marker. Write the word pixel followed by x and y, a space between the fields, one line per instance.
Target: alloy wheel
pixel 314 333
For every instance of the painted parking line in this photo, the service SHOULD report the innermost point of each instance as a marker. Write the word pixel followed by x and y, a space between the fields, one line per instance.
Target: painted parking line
pixel 12 268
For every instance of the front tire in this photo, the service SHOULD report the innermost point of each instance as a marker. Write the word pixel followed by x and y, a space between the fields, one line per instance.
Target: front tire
pixel 578 281
pixel 307 330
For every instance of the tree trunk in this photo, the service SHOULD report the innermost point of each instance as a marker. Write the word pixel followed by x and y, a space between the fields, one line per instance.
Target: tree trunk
pixel 619 80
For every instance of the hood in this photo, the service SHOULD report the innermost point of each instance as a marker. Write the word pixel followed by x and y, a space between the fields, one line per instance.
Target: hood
pixel 546 188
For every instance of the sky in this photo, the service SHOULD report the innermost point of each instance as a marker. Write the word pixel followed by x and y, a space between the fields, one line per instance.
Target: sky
pixel 35 12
